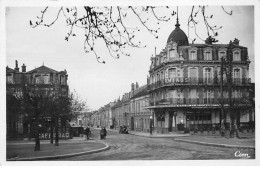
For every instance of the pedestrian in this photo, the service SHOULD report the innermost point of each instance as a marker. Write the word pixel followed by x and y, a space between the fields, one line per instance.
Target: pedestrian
pixel 236 129
pixel 151 129
pixel 87 132
pixel 105 132
pixel 102 133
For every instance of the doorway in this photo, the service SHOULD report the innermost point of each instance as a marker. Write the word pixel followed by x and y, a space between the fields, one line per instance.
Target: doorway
pixel 132 123
pixel 170 122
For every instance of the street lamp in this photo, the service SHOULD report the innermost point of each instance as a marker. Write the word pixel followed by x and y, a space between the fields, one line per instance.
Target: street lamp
pixel 151 125
pixel 175 114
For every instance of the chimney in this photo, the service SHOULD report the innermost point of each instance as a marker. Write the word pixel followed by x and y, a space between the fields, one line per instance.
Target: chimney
pixel 16 66
pixel 133 87
pixel 148 80
pixel 23 68
pixel 136 85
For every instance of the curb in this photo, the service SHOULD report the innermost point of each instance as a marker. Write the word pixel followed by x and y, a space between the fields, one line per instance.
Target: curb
pixel 216 145
pixel 60 156
pixel 158 136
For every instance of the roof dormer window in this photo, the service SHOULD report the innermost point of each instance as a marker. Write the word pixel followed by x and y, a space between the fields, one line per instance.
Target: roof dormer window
pixel 193 55
pixel 236 55
pixel 222 52
pixel 207 54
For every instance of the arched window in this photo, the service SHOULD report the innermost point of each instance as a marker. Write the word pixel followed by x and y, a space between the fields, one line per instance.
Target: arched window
pixel 236 56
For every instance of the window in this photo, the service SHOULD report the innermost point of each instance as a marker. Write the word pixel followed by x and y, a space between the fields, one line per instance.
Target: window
pixel 193 55
pixel 158 77
pixel 161 75
pixel 237 94
pixel 207 55
pixel 208 75
pixel 193 75
pixel 9 79
pixel 46 79
pixel 172 73
pixel 236 76
pixel 208 96
pixel 236 56
pixel 172 53
pixel 193 96
pixel 157 61
pixel 221 54
pixel 38 79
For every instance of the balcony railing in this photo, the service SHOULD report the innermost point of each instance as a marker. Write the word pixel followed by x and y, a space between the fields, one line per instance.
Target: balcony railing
pixel 195 81
pixel 205 101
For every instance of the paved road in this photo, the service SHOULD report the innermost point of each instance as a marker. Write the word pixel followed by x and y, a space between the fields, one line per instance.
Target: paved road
pixel 131 147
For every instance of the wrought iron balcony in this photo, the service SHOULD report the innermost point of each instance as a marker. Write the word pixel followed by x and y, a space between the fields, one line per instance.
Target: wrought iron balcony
pixel 176 101
pixel 195 81
pixel 204 101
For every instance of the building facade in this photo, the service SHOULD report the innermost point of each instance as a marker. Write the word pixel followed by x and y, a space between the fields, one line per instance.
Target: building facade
pixel 139 114
pixel 18 82
pixel 190 84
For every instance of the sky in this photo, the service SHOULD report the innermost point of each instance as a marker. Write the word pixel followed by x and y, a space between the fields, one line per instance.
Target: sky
pixel 103 83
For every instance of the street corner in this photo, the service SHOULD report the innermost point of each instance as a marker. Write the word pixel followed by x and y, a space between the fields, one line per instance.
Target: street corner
pixel 49 152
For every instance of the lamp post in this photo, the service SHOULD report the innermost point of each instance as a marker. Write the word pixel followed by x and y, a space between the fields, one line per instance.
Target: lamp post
pixel 151 125
pixel 175 114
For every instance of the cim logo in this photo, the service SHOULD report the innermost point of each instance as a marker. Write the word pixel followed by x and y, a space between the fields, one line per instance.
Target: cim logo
pixel 241 155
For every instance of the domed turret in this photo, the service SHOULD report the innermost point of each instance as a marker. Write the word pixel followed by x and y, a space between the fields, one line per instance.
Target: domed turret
pixel 178 36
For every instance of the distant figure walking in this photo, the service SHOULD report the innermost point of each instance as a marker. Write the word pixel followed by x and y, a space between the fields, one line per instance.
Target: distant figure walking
pixel 235 129
pixel 87 133
pixel 103 133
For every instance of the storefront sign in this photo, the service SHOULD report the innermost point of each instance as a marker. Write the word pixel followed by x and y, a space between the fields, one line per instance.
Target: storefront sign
pixel 48 135
pixel 164 103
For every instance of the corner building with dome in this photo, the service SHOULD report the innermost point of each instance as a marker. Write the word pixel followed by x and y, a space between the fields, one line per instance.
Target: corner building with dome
pixel 186 89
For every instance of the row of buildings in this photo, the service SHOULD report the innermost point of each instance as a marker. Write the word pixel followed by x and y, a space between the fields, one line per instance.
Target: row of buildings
pixel 189 84
pixel 195 85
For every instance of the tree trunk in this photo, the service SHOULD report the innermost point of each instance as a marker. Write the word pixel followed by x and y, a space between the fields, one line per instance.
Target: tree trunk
pixel 37 138
pixel 51 136
pixel 30 129
pixel 56 132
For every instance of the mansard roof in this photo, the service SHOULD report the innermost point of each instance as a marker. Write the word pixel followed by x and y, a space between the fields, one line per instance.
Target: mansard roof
pixel 141 91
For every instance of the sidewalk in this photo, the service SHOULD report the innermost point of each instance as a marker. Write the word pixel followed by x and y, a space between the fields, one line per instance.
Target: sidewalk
pixel 247 140
pixel 24 150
